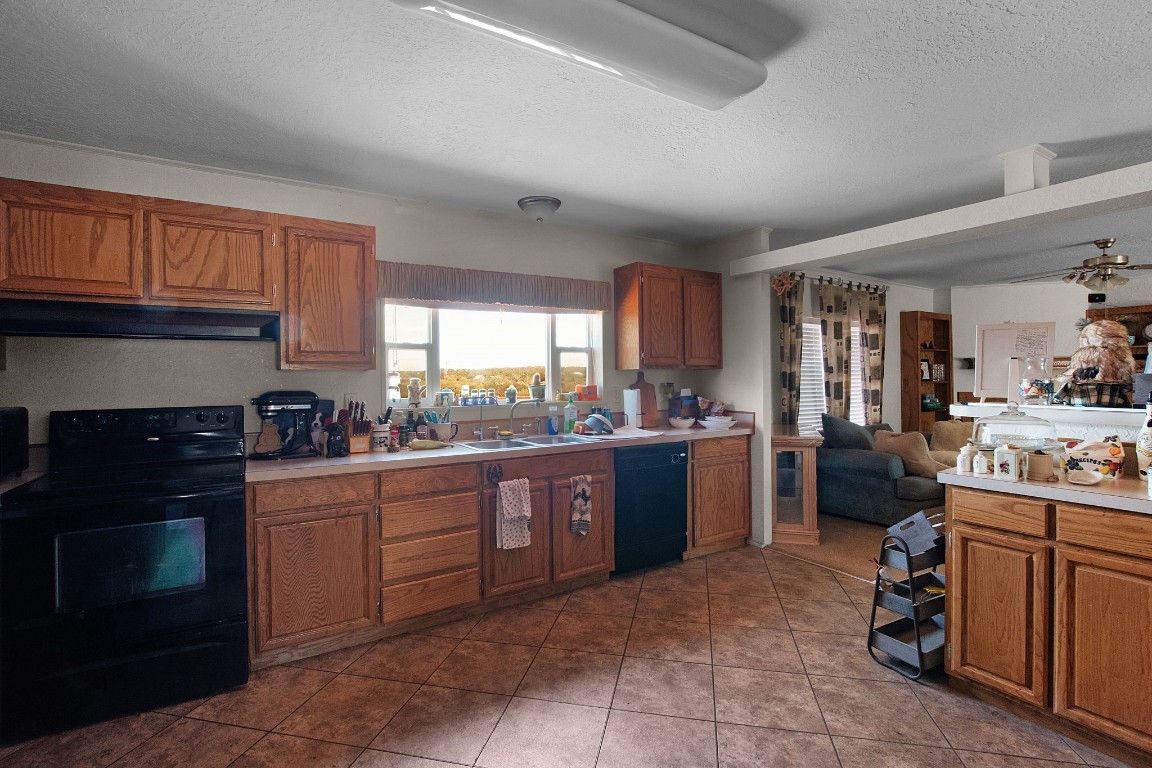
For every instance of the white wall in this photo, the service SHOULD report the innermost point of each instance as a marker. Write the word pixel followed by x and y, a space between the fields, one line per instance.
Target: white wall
pixel 1029 303
pixel 47 374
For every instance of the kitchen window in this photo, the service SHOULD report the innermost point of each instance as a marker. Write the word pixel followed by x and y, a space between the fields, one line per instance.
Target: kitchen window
pixel 813 397
pixel 449 348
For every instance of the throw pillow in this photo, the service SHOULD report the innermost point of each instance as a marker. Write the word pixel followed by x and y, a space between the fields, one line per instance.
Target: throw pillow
pixel 912 448
pixel 841 433
pixel 950 435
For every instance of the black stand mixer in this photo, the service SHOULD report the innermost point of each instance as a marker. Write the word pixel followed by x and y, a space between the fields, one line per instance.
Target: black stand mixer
pixel 285 425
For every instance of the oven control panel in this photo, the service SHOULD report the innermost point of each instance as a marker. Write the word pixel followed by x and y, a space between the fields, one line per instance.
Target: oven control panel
pixel 129 422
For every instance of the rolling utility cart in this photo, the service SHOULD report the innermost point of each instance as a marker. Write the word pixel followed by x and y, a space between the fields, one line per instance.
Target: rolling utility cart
pixel 907 583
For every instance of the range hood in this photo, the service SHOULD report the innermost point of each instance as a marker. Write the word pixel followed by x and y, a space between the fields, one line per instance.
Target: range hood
pixel 23 317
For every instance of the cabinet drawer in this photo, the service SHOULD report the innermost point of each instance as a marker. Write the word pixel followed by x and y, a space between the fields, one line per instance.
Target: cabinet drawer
pixel 1126 532
pixel 400 484
pixel 425 517
pixel 560 465
pixel 417 598
pixel 999 510
pixel 422 557
pixel 717 447
pixel 313 492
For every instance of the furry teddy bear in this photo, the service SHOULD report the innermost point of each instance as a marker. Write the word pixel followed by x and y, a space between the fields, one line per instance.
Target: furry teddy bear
pixel 1103 354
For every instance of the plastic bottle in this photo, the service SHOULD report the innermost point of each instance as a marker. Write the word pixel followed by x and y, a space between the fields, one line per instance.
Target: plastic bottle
pixel 569 415
pixel 1144 444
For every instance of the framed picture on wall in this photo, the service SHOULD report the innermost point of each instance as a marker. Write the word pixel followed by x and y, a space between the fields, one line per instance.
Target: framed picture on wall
pixel 925 371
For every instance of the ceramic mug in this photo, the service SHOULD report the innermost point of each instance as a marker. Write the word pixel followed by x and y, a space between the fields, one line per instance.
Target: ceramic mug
pixel 445 431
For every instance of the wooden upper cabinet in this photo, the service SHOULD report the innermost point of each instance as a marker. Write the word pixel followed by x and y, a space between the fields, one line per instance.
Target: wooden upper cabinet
pixel 211 255
pixel 661 318
pixel 667 317
pixel 703 338
pixel 75 243
pixel 329 318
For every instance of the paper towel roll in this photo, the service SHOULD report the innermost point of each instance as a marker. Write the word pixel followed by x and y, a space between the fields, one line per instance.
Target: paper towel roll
pixel 632 407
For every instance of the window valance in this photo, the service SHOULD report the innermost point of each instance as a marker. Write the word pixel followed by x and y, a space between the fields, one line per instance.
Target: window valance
pixel 427 283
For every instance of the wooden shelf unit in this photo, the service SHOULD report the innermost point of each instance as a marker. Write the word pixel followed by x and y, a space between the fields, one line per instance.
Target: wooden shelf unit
pixel 924 336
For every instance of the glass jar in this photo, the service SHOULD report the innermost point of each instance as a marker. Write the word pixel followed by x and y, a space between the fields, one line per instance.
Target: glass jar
pixel 1035 381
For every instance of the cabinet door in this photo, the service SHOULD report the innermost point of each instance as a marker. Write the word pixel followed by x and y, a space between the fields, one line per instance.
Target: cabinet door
pixel 575 554
pixel 661 318
pixel 329 320
pixel 209 255
pixel 720 500
pixel 313 575
pixel 71 242
pixel 1103 643
pixel 703 342
pixel 511 570
pixel 998 587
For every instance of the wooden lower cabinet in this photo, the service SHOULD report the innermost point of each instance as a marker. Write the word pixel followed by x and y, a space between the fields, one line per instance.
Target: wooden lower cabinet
pixel 429 545
pixel 1103 643
pixel 1061 621
pixel 720 498
pixel 998 591
pixel 556 553
pixel 313 575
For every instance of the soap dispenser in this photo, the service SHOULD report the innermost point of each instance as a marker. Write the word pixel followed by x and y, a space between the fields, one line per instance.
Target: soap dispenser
pixel 569 415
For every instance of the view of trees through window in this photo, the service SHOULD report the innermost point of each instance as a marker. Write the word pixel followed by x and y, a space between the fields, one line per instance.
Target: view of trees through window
pixel 486 349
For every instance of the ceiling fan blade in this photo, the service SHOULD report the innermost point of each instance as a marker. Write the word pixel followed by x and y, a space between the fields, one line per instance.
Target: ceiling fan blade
pixel 1136 266
pixel 1045 276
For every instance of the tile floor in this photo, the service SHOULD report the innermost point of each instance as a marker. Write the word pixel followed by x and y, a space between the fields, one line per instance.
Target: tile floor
pixel 746 658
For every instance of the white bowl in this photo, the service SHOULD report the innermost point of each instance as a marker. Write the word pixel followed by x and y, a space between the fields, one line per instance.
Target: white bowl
pixel 680 423
pixel 714 422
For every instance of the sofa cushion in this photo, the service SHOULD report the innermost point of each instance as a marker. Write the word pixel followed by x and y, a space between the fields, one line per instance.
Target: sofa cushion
pixel 841 433
pixel 912 488
pixel 950 435
pixel 912 448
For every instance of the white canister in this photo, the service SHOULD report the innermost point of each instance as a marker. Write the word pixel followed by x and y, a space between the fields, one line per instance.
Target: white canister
pixel 380 438
pixel 964 461
pixel 1008 463
pixel 980 464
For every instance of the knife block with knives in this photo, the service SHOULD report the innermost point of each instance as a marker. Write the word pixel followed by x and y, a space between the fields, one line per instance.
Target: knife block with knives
pixel 357 427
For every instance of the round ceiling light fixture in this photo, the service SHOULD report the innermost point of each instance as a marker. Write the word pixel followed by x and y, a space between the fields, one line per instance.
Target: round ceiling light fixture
pixel 539 207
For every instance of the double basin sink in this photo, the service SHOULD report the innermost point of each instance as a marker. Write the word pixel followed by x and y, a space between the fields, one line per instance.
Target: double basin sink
pixel 523 442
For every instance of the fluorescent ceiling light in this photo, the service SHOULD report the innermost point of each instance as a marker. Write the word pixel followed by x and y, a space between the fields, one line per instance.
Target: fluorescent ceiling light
pixel 615 39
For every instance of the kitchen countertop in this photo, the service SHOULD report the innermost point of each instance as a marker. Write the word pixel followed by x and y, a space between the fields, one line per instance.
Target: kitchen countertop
pixel 1127 493
pixel 37 468
pixel 288 469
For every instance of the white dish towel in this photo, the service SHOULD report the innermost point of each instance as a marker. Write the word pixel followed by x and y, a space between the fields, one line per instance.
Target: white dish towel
pixel 513 514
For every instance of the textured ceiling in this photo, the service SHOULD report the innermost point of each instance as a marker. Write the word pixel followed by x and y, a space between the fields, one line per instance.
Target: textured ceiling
pixel 872 112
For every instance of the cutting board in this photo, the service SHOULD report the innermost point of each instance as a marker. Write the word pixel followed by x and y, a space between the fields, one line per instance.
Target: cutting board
pixel 649 417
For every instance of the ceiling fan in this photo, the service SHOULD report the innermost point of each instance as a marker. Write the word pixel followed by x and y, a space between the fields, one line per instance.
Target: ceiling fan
pixel 1097 273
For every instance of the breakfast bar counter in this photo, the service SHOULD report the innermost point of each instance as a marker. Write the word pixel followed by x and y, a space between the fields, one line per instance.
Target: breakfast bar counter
pixel 1049 603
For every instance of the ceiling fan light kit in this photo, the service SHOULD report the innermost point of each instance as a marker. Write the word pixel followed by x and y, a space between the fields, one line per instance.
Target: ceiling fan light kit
pixel 614 39
pixel 1098 273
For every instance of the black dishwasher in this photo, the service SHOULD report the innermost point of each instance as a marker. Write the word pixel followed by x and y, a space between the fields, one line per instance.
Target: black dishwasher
pixel 651 505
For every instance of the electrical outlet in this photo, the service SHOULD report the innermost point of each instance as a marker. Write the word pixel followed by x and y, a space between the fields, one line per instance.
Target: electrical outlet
pixel 617 396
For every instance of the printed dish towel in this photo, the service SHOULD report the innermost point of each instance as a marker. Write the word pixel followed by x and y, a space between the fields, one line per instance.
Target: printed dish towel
pixel 513 514
pixel 581 519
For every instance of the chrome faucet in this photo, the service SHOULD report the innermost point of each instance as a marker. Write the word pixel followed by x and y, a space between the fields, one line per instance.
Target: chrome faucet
pixel 517 404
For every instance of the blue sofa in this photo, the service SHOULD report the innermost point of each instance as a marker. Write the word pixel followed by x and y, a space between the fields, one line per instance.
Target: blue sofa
pixel 869 485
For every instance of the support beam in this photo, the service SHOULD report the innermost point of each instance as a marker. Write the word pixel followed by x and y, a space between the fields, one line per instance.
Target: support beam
pixel 1120 190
